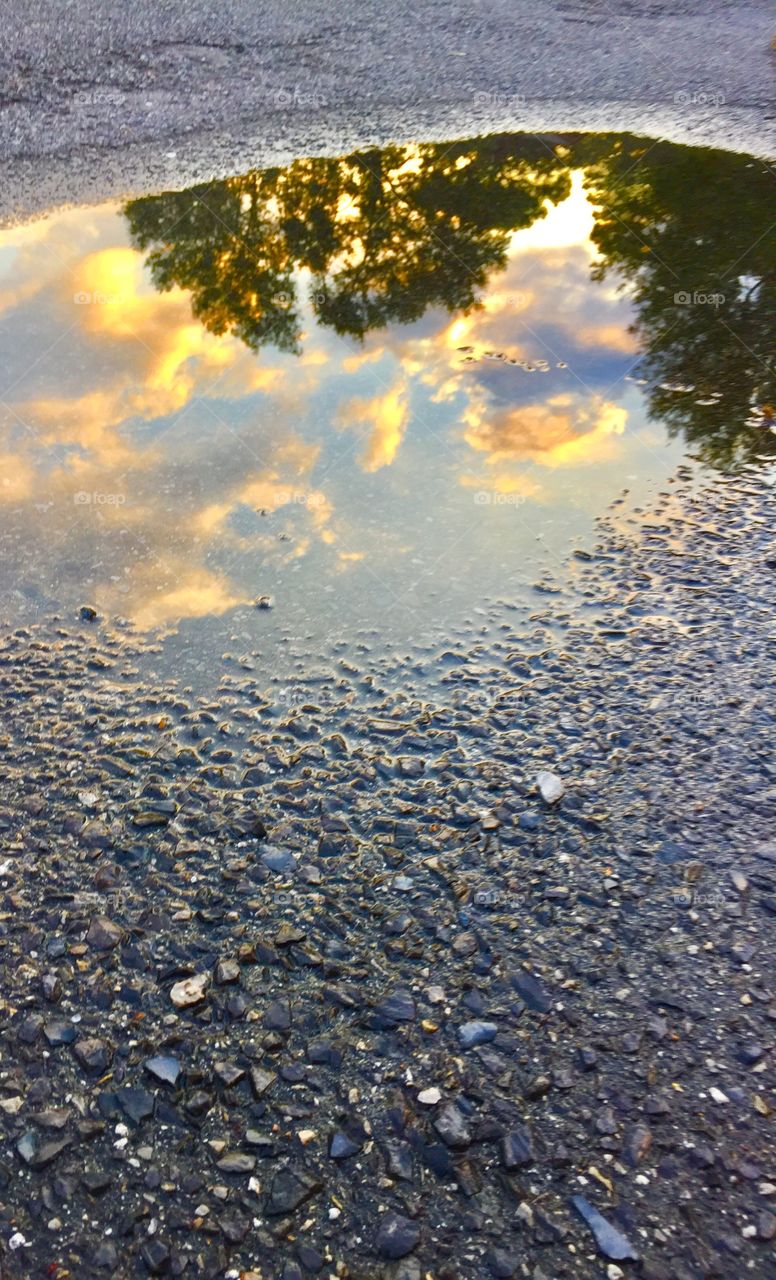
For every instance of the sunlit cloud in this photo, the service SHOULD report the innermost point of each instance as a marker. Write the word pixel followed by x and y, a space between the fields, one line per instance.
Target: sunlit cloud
pixel 561 431
pixel 386 417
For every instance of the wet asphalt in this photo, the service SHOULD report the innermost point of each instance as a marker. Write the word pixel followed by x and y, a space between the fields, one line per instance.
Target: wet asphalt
pixel 98 100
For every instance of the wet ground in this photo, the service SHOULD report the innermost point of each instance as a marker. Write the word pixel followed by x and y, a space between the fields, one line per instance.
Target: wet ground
pixel 387 789
pixel 101 101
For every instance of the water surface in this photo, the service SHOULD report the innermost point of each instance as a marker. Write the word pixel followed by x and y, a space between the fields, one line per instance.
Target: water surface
pixel 386 391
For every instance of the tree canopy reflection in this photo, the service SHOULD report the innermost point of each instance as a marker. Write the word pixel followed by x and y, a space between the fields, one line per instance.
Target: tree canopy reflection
pixel 384 235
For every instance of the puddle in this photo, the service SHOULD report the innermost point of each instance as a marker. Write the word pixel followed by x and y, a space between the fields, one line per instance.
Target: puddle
pixel 382 392
pixel 330 926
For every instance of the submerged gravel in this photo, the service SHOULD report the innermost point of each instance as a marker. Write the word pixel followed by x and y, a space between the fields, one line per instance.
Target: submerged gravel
pixel 330 989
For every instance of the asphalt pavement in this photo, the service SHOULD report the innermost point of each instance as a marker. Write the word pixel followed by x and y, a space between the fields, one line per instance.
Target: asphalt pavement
pixel 100 99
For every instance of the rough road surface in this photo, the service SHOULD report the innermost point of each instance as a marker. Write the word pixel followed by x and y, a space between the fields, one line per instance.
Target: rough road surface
pixel 381 986
pixel 99 99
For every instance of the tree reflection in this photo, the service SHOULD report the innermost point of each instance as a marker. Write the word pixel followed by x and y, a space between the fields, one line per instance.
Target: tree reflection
pixel 692 232
pixel 385 234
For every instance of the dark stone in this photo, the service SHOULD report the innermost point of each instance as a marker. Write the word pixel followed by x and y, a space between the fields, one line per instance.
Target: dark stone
pixel 156 1257
pixel 501 1264
pixel 261 1080
pixel 399 1006
pixel 234 1227
pixel 30 1028
pixel 39 1155
pixel 228 1073
pixel 399 1160
pixel 611 1242
pixel 227 971
pixel 310 1259
pixel 341 1146
pixel 750 1053
pixel 137 1104
pixel 517 1148
pixel 105 1256
pixel 396 1236
pixel 290 1188
pixel 104 933
pixel 474 1033
pixel 278 1016
pixel 92 1054
pixel 278 860
pixel 638 1141
pixel 96 1181
pixel 451 1126
pixel 164 1069
pixel 531 992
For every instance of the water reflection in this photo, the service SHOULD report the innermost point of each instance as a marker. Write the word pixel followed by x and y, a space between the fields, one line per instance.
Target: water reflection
pixel 377 388
pixel 385 235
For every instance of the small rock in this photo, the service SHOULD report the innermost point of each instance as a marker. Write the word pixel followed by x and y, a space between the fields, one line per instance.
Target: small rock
pixel 399 1006
pixel 531 992
pixel 611 1242
pixel 104 933
pixel 766 1225
pixel 474 1033
pixel 341 1146
pixel 451 1126
pixel 396 1236
pixel 290 1188
pixel 261 1080
pixel 227 971
pixel 163 1068
pixel 93 1055
pixel 638 1141
pixel 190 991
pixel 501 1264
pixel 138 1104
pixel 517 1148
pixel 550 786
pixel 156 1256
pixel 237 1162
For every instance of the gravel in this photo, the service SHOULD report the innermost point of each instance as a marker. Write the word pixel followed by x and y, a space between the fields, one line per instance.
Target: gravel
pixel 513 1078
pixel 99 100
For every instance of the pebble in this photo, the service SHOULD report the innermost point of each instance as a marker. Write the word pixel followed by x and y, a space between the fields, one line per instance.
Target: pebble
pixel 104 934
pixel 610 1241
pixel 190 991
pixel 551 786
pixel 396 1236
pixel 164 1068
pixel 474 1033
